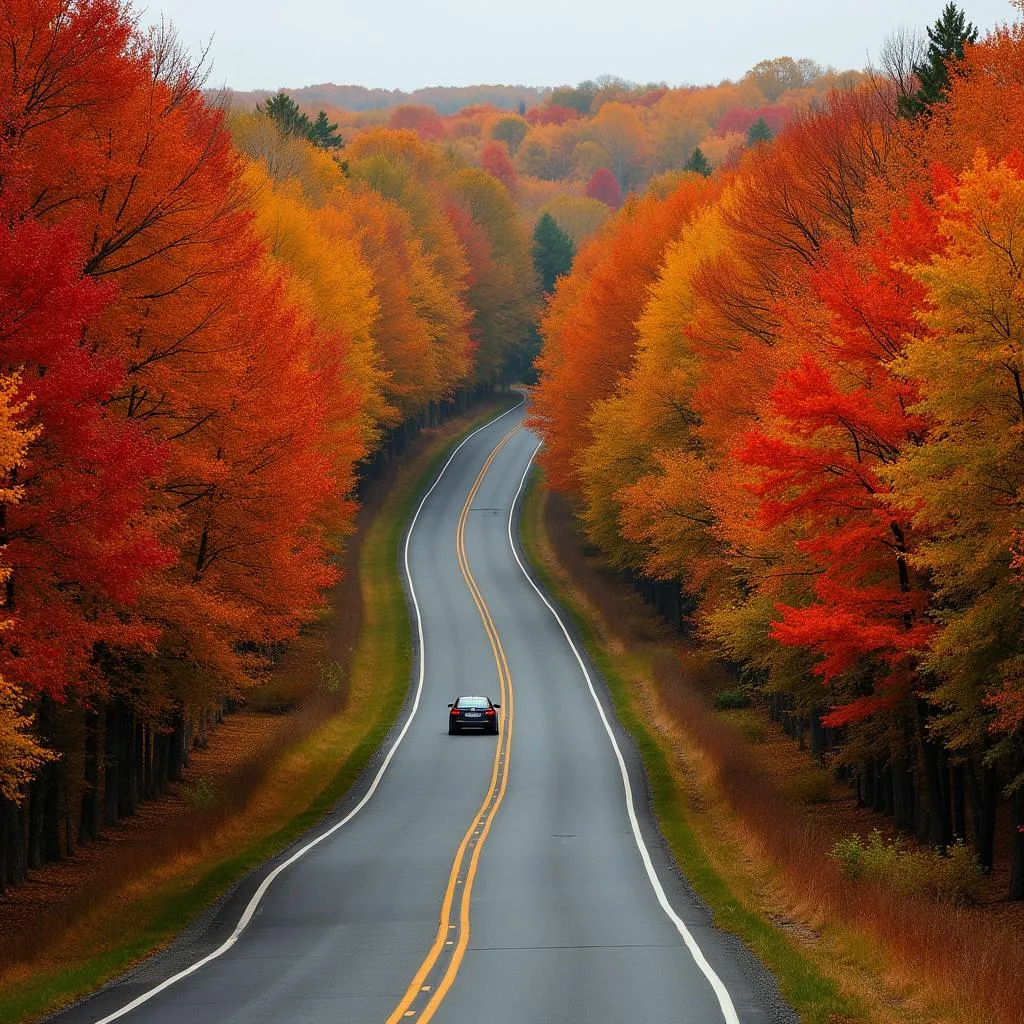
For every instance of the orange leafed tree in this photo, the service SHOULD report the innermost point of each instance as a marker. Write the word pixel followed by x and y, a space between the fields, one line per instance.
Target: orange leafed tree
pixel 805 409
pixel 589 328
pixel 400 167
pixel 124 150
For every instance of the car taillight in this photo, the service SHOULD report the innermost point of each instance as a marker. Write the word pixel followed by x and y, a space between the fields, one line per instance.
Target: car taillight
pixel 455 711
pixel 489 711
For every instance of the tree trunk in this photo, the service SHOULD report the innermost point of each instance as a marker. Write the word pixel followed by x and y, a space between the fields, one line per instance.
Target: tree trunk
pixel 128 794
pixel 51 811
pixel 176 759
pixel 5 846
pixel 935 826
pixel 70 833
pixel 878 804
pixel 868 774
pixel 89 815
pixel 817 736
pixel 113 759
pixel 161 760
pixel 945 833
pixel 13 860
pixel 885 793
pixel 932 832
pixel 1017 846
pixel 148 789
pixel 903 794
pixel 983 791
pixel 138 761
pixel 45 792
pixel 35 824
pixel 959 803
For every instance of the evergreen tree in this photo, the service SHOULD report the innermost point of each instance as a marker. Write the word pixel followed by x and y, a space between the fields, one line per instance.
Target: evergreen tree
pixel 946 41
pixel 285 113
pixel 553 252
pixel 759 132
pixel 698 163
pixel 324 133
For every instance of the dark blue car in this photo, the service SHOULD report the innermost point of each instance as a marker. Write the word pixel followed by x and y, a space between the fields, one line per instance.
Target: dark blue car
pixel 473 713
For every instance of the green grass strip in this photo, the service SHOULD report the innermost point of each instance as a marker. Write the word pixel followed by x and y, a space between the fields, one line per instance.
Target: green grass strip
pixel 813 996
pixel 383 658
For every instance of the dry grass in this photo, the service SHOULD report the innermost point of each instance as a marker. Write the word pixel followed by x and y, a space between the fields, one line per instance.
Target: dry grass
pixel 182 827
pixel 769 830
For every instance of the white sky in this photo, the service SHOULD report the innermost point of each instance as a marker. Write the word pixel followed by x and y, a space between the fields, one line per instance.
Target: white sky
pixel 406 44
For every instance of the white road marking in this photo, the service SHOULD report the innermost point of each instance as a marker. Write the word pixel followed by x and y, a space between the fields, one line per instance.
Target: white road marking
pixel 724 999
pixel 254 902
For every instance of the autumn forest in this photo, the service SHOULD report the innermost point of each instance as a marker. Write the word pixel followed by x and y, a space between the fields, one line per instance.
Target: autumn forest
pixel 772 332
pixel 794 388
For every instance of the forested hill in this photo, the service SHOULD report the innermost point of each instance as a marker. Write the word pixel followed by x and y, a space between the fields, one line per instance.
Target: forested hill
pixel 444 99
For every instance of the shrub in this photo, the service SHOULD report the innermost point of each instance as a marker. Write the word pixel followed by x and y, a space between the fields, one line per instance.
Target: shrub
pixel 811 787
pixel 200 794
pixel 753 730
pixel 730 700
pixel 279 696
pixel 952 877
pixel 332 677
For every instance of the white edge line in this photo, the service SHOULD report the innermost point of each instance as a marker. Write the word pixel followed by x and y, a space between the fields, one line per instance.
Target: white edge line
pixel 724 999
pixel 254 902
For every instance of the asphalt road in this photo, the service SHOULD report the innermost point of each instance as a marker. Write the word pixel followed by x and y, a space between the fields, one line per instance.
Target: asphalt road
pixel 484 879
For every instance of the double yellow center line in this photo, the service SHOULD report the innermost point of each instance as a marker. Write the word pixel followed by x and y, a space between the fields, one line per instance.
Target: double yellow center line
pixel 437 973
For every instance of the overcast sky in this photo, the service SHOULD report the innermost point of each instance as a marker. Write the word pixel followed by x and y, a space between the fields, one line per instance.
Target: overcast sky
pixel 406 44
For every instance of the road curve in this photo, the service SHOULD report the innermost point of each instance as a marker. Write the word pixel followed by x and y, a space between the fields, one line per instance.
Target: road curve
pixel 467 879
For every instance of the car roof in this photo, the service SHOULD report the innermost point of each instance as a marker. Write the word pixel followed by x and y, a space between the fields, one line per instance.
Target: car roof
pixel 470 697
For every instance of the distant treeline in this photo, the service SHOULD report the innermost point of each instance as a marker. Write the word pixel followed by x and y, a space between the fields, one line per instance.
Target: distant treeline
pixel 444 99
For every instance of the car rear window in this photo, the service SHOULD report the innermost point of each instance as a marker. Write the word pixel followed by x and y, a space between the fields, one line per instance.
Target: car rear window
pixel 473 702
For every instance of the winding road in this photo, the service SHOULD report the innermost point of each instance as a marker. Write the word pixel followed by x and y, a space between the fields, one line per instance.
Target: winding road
pixel 472 879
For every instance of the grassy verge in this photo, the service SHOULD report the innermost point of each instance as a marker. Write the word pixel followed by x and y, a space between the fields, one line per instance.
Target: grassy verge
pixel 297 793
pixel 808 989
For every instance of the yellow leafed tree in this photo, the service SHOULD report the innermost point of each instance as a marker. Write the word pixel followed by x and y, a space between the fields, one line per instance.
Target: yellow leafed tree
pixel 20 754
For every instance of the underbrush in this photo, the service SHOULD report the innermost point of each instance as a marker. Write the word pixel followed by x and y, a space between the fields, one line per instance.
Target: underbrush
pixel 731 700
pixel 288 689
pixel 952 877
pixel 812 786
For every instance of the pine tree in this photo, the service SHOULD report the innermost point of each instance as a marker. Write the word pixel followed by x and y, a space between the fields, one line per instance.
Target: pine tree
pixel 698 163
pixel 759 132
pixel 946 41
pixel 324 133
pixel 285 113
pixel 553 252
